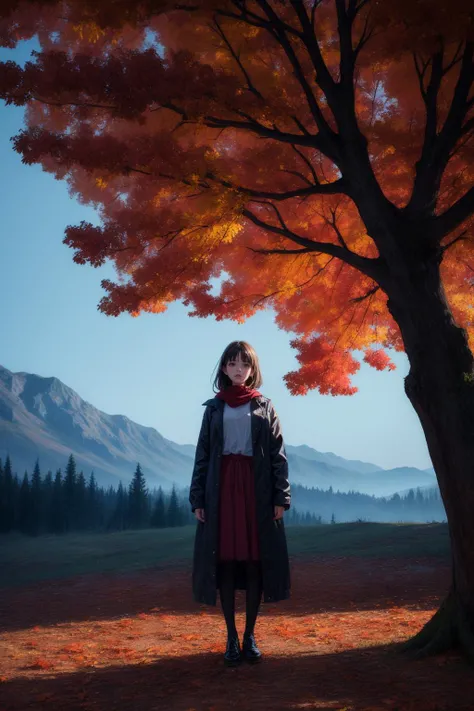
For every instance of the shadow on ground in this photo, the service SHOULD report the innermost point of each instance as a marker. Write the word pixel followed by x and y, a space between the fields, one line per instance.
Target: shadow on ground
pixel 356 680
pixel 318 585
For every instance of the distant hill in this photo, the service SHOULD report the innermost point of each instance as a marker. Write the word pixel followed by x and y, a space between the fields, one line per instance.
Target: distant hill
pixel 43 418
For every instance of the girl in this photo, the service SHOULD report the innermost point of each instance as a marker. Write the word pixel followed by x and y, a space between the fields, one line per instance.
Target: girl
pixel 239 490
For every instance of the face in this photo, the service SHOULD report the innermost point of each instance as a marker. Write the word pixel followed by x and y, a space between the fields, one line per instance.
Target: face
pixel 237 370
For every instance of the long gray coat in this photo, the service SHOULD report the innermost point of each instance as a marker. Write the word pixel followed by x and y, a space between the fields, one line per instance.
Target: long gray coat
pixel 272 488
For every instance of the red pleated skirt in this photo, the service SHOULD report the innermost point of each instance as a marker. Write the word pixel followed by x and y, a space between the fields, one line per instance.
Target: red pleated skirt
pixel 238 533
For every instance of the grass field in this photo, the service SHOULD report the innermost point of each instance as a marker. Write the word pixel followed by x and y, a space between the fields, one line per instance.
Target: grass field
pixel 25 560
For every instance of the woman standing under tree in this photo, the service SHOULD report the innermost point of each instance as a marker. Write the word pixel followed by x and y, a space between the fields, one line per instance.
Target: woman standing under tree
pixel 239 490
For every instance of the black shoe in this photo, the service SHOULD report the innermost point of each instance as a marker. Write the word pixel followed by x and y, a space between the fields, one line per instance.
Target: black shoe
pixel 232 654
pixel 250 650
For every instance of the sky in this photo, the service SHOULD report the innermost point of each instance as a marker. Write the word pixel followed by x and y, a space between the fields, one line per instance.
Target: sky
pixel 157 369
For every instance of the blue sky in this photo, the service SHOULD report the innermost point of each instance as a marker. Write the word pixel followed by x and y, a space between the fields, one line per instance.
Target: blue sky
pixel 156 369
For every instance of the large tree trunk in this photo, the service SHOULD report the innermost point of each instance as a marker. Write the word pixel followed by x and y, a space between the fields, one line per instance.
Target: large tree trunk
pixel 440 386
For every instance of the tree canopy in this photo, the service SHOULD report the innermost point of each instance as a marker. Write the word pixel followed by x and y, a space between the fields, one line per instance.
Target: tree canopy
pixel 259 141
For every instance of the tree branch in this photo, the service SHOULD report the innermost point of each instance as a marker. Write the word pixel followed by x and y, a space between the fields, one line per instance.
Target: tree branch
pixel 251 87
pixel 330 137
pixel 453 241
pixel 74 103
pixel 306 250
pixel 454 216
pixel 371 292
pixel 308 139
pixel 438 146
pixel 370 267
pixel 308 163
pixel 323 75
pixel 335 188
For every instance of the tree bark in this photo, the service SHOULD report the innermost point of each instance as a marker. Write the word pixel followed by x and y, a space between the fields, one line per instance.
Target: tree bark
pixel 440 386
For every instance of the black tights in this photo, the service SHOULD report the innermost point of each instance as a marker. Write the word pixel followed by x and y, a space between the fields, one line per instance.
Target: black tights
pixel 227 594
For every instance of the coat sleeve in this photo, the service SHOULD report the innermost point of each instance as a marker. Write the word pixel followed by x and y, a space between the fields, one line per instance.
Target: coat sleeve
pixel 201 463
pixel 281 484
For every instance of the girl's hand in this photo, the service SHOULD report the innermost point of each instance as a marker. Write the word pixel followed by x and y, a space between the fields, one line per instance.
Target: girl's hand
pixel 199 513
pixel 278 512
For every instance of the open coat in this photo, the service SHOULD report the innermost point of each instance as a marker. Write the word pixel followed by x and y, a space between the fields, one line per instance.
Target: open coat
pixel 272 488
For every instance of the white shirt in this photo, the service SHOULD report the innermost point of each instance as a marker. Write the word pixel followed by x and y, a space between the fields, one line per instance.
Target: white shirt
pixel 237 430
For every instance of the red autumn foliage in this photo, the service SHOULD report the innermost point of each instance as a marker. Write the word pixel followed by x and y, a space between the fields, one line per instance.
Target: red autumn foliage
pixel 218 139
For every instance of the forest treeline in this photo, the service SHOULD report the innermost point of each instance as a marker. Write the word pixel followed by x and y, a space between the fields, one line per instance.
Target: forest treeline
pixel 66 502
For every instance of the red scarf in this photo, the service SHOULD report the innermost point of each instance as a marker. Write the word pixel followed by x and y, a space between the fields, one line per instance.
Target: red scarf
pixel 236 395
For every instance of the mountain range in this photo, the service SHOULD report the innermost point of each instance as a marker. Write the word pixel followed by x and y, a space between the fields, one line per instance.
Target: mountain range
pixel 42 418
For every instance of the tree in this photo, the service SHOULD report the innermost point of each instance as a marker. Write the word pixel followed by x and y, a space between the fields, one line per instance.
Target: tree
pixel 24 506
pixel 316 154
pixel 119 518
pixel 36 500
pixel 70 488
pixel 138 500
pixel 173 513
pixel 58 514
pixel 158 517
pixel 7 498
pixel 81 501
pixel 92 498
pixel 47 499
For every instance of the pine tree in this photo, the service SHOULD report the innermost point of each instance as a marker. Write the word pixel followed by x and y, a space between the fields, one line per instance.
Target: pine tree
pixel 158 518
pixel 36 501
pixel 57 521
pixel 7 507
pixel 47 498
pixel 173 513
pixel 24 509
pixel 92 503
pixel 119 518
pixel 81 502
pixel 70 494
pixel 138 500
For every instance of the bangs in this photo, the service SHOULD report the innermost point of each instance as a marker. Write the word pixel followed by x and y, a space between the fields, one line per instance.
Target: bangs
pixel 248 356
pixel 236 349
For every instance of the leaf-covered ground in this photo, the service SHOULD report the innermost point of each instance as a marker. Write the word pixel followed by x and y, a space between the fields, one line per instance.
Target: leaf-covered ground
pixel 138 641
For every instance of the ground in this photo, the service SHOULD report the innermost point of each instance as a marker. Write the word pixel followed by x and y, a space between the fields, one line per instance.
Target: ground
pixel 135 640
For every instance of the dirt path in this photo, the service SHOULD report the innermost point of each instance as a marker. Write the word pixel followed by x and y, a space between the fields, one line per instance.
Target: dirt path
pixel 138 642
